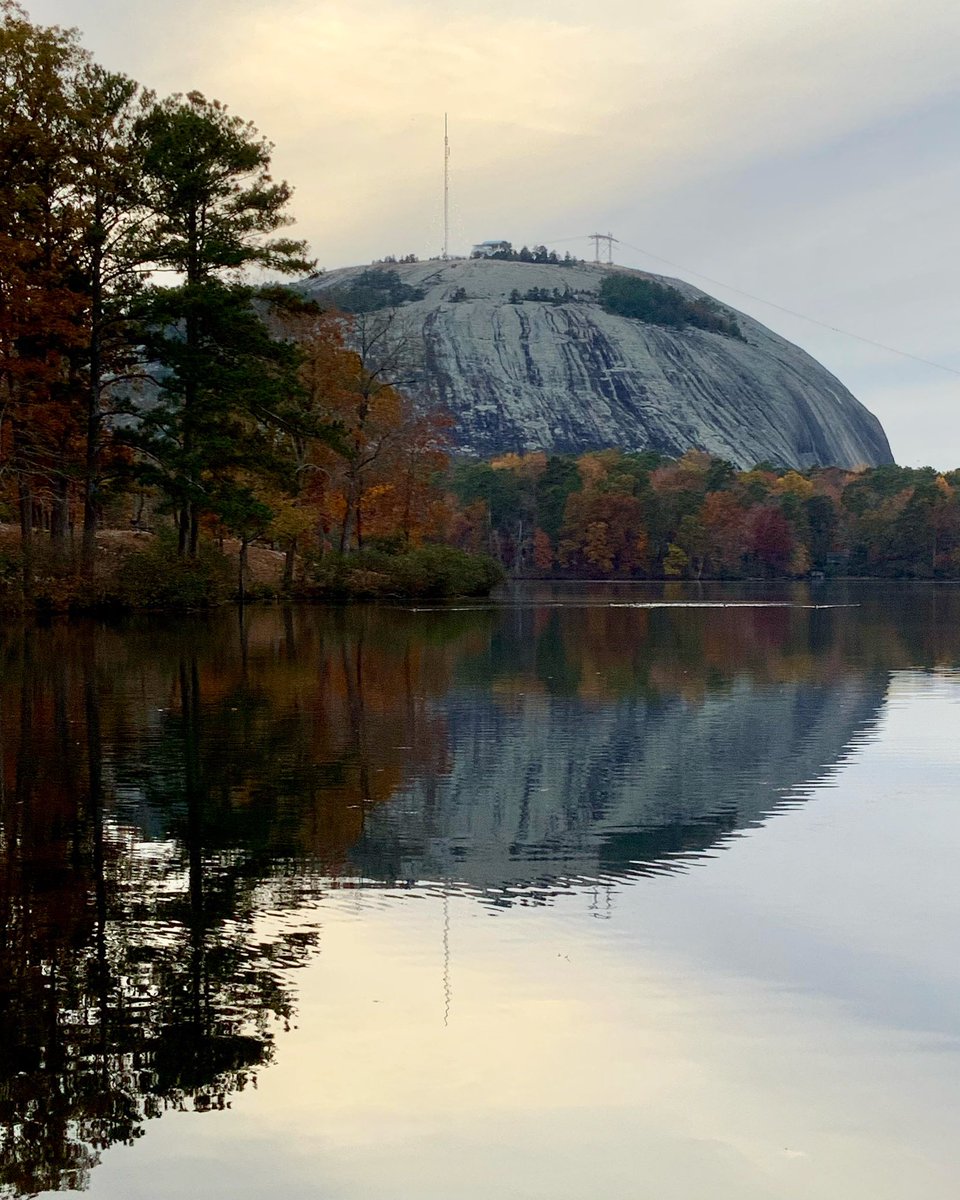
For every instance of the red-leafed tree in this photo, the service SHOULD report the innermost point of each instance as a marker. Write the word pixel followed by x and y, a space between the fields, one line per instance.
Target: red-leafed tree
pixel 41 300
pixel 771 540
pixel 69 227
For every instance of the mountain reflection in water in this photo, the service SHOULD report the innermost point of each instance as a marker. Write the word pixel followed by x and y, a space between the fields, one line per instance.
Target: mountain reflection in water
pixel 164 784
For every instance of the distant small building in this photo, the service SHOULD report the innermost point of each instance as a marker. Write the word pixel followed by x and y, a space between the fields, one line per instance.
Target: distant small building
pixel 837 563
pixel 489 249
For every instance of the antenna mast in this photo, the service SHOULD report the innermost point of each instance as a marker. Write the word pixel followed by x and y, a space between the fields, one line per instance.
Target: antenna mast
pixel 446 189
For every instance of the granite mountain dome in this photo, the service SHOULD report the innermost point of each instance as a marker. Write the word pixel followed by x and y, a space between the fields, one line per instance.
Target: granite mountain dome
pixel 525 357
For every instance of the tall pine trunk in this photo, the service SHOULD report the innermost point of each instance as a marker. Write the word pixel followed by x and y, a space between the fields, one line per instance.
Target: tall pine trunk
pixel 24 504
pixel 244 555
pixel 183 529
pixel 60 515
pixel 88 553
pixel 25 501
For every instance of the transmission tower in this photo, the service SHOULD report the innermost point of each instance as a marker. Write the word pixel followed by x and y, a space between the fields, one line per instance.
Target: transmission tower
pixel 597 238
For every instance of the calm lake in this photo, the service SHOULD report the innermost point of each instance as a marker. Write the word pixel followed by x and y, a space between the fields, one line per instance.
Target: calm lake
pixel 640 891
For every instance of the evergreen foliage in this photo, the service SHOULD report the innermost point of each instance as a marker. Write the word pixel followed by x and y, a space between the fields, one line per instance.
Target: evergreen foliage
pixel 435 572
pixel 134 352
pixel 544 295
pixel 499 490
pixel 538 254
pixel 373 290
pixel 214 207
pixel 659 304
pixel 158 577
pixel 555 486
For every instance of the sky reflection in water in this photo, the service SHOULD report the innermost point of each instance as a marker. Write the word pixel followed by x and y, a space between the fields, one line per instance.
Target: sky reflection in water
pixel 551 942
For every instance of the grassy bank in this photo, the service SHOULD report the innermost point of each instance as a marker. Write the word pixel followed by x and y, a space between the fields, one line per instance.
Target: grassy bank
pixel 145 573
pixel 427 571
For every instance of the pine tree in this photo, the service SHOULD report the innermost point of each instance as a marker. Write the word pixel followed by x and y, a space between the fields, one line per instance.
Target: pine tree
pixel 107 152
pixel 214 208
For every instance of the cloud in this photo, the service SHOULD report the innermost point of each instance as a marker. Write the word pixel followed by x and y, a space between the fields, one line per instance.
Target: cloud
pixel 556 108
pixel 727 135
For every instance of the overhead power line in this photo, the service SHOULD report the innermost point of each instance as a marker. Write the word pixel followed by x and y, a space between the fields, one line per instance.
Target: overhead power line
pixel 928 362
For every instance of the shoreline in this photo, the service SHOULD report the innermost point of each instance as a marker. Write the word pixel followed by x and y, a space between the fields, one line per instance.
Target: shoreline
pixel 497 596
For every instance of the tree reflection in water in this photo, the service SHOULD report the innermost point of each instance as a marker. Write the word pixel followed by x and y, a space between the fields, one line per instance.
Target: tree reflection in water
pixel 164 789
pixel 156 794
pixel 129 982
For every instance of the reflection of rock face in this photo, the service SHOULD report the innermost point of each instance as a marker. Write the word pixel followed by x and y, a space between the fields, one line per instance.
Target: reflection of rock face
pixel 571 377
pixel 161 789
pixel 552 789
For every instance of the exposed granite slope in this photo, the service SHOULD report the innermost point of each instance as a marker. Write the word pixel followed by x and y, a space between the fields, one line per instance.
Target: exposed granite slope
pixel 571 377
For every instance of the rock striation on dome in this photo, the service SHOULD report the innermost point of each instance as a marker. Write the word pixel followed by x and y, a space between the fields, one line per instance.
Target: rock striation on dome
pixel 525 357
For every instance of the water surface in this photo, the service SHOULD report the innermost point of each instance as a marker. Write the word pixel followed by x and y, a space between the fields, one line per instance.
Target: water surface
pixel 634 890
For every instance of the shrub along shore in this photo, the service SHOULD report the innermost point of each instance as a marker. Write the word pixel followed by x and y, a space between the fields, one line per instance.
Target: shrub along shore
pixel 604 515
pixel 146 382
pixel 145 573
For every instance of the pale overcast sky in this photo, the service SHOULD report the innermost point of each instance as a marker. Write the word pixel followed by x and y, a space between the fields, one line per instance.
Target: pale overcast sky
pixel 804 151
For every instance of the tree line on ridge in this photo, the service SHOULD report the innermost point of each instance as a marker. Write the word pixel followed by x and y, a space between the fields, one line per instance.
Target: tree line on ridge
pixel 640 515
pixel 146 382
pixel 136 358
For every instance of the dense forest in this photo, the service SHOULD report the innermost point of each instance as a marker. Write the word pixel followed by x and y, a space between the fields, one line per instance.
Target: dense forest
pixel 157 408
pixel 610 513
pixel 142 377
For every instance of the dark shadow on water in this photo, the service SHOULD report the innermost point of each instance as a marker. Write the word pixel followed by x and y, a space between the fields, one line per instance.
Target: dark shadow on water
pixel 173 794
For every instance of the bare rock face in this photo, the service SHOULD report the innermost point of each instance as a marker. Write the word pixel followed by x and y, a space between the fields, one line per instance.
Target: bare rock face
pixel 564 375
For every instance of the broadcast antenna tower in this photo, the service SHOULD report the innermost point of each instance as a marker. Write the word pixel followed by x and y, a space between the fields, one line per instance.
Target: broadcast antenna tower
pixel 597 238
pixel 446 189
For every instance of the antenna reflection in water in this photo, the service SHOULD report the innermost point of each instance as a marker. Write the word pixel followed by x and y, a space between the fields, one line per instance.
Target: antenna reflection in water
pixel 179 802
